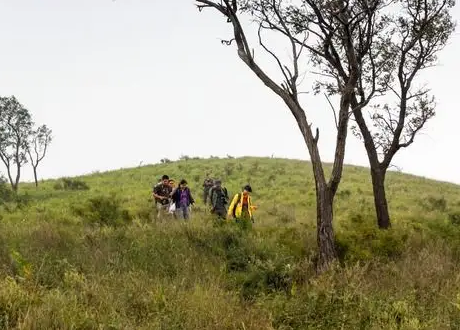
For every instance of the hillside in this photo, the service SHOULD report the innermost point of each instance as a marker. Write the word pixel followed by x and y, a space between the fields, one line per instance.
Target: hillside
pixel 61 269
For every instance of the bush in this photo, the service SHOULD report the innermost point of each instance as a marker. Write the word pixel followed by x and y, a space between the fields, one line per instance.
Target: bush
pixel 103 210
pixel 6 194
pixel 435 204
pixel 365 242
pixel 454 217
pixel 71 184
pixel 267 277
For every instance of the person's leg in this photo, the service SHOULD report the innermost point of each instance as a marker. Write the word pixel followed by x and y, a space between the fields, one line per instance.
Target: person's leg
pixel 178 212
pixel 159 213
pixel 155 211
pixel 205 196
pixel 186 212
pixel 221 214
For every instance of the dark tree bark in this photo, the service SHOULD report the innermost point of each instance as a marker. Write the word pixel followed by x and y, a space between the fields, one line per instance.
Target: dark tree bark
pixel 380 198
pixel 35 176
pixel 325 233
pixel 10 176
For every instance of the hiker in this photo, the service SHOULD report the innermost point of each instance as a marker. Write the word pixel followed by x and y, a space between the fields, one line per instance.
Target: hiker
pixel 182 197
pixel 241 207
pixel 207 185
pixel 218 198
pixel 172 206
pixel 172 183
pixel 162 194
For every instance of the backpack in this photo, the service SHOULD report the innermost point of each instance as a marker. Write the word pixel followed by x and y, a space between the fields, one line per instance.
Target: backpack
pixel 223 194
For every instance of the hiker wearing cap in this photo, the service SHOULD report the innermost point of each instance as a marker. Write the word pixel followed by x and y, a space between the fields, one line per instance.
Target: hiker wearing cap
pixel 241 207
pixel 218 199
pixel 182 197
pixel 162 194
pixel 207 185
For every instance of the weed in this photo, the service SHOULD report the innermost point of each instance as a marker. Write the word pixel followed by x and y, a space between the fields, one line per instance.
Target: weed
pixel 103 210
pixel 71 184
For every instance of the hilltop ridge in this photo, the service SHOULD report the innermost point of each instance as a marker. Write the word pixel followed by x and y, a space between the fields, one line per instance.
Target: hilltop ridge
pixel 84 253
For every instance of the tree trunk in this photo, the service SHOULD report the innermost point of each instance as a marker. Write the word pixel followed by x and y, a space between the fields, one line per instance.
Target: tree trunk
pixel 378 170
pixel 35 176
pixel 380 199
pixel 10 178
pixel 325 232
pixel 18 177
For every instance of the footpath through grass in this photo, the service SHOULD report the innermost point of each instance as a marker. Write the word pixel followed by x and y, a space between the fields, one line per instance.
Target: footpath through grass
pixel 76 258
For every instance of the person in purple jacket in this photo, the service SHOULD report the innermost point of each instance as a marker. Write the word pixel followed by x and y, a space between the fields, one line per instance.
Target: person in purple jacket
pixel 183 198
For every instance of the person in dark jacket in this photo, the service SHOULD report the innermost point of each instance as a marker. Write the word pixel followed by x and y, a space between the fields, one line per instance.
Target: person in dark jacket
pixel 183 198
pixel 161 193
pixel 218 197
pixel 207 185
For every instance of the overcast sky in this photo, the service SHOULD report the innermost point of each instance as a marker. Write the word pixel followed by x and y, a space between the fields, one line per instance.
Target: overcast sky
pixel 135 81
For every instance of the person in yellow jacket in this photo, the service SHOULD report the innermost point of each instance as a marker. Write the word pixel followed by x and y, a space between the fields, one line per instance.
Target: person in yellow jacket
pixel 241 207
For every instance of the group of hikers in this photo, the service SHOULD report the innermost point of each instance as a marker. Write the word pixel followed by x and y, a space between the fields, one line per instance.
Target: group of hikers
pixel 177 200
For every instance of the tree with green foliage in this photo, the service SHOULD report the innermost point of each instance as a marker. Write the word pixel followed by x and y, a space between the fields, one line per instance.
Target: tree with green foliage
pixel 408 42
pixel 15 129
pixel 39 141
pixel 318 32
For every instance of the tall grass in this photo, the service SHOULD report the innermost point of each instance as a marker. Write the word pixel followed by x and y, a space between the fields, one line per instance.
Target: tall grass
pixel 96 259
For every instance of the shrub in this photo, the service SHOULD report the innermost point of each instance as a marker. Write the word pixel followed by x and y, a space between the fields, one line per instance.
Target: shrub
pixel 6 194
pixel 435 204
pixel 364 242
pixel 454 217
pixel 229 169
pixel 103 210
pixel 71 184
pixel 344 193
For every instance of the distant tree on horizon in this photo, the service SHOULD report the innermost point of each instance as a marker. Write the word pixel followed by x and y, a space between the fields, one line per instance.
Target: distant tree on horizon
pixel 15 128
pixel 19 141
pixel 39 141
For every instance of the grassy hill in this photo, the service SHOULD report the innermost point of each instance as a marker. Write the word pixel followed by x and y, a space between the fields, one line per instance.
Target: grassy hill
pixel 61 269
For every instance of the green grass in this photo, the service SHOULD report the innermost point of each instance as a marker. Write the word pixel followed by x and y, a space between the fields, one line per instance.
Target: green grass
pixel 94 259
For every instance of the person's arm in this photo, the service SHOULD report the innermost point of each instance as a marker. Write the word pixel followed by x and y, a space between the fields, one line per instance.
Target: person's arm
pixel 211 198
pixel 173 196
pixel 155 194
pixel 192 200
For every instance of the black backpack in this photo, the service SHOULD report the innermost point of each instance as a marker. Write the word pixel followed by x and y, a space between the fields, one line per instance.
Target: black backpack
pixel 223 194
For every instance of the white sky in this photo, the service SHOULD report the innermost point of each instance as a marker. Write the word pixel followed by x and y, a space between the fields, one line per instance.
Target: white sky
pixel 139 80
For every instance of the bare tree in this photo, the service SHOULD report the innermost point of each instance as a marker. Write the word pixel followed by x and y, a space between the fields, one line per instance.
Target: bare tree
pixel 324 31
pixel 414 33
pixel 15 128
pixel 39 142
